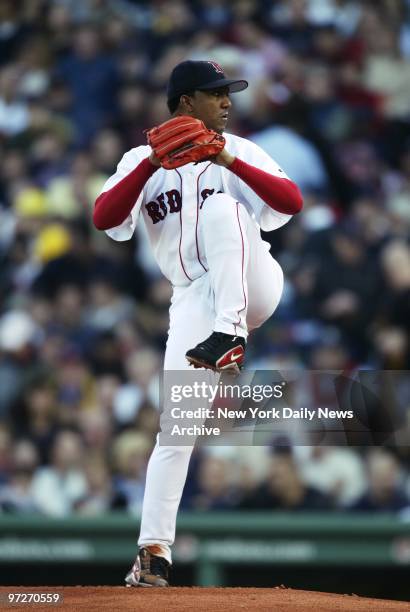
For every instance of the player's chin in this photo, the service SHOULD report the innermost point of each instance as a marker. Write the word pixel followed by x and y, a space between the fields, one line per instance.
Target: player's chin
pixel 220 125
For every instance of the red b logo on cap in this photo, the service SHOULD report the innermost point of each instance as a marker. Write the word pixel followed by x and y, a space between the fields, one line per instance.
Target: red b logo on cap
pixel 217 67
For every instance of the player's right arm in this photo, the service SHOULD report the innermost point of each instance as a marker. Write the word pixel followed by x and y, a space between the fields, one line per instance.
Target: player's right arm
pixel 122 190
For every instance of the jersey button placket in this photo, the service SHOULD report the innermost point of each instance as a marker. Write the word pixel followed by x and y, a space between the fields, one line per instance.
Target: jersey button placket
pixel 189 194
pixel 188 212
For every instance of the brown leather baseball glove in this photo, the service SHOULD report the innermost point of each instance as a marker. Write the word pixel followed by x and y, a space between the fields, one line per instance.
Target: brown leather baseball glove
pixel 183 140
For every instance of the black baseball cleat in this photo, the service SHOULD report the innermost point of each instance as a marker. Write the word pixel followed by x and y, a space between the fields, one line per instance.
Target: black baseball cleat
pixel 220 352
pixel 148 571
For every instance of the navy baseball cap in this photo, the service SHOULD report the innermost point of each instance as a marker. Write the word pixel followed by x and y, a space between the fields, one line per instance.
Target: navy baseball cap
pixel 202 75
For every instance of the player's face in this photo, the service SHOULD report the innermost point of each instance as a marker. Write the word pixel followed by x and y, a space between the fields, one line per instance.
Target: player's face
pixel 212 107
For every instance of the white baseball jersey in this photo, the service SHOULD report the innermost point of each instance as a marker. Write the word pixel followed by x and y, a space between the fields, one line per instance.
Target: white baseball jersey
pixel 171 201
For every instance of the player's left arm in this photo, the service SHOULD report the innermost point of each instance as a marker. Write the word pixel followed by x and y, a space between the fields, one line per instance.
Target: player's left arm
pixel 278 192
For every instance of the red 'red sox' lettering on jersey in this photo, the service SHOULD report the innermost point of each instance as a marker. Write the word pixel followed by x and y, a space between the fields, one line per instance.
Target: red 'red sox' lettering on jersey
pixel 205 193
pixel 157 210
pixel 171 201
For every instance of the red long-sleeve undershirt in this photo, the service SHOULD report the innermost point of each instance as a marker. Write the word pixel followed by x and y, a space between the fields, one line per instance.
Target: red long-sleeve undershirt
pixel 113 206
pixel 278 193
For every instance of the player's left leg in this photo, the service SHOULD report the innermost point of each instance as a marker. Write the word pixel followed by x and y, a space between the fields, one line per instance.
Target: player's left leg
pixel 264 280
pixel 224 249
pixel 224 245
pixel 246 281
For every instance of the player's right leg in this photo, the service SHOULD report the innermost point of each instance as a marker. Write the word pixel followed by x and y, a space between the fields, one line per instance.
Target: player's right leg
pixel 191 318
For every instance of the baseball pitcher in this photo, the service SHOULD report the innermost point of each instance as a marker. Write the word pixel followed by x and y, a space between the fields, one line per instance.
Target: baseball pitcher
pixel 204 195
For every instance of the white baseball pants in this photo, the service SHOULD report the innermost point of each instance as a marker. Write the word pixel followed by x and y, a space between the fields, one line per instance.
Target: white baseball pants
pixel 240 291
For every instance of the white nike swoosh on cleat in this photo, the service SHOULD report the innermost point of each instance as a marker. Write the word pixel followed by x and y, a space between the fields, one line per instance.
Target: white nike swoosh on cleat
pixel 234 357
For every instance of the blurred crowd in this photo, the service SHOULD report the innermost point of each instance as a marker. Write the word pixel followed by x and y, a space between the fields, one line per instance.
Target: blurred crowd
pixel 83 320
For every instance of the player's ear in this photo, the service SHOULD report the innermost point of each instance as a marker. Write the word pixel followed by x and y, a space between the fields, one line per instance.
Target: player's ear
pixel 186 103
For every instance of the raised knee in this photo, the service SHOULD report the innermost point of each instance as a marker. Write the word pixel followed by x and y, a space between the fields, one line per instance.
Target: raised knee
pixel 218 200
pixel 220 205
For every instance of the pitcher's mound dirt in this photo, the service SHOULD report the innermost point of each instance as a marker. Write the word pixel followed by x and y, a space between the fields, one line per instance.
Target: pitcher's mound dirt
pixel 178 599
